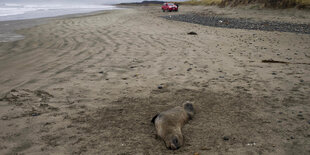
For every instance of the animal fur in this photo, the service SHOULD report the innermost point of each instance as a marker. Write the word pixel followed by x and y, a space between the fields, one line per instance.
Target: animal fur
pixel 169 124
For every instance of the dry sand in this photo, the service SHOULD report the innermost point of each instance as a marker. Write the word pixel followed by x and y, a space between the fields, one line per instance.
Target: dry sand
pixel 89 85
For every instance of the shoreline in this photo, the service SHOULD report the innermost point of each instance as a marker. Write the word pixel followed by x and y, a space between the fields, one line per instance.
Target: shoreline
pixel 8 28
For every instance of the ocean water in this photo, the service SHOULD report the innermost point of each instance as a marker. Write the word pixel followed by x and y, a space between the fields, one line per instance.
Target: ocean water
pixel 18 10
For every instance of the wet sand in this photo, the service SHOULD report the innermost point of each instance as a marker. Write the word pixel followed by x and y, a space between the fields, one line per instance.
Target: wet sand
pixel 89 85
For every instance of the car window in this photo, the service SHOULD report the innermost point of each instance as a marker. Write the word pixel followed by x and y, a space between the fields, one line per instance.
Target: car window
pixel 170 4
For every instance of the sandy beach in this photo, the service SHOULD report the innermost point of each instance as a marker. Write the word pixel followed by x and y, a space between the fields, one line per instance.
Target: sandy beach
pixel 89 84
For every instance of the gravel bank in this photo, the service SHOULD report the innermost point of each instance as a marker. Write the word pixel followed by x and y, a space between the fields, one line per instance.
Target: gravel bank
pixel 216 21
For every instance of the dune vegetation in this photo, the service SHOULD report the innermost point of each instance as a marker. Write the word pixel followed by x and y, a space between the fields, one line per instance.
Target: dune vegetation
pixel 266 3
pixel 203 2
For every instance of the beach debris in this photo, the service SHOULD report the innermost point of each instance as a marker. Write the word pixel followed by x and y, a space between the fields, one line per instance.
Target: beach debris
pixel 189 69
pixel 300 116
pixel 251 144
pixel 160 87
pixel 273 61
pixel 192 33
pixel 240 23
pixel 35 114
pixel 283 62
pixel 101 72
pixel 225 138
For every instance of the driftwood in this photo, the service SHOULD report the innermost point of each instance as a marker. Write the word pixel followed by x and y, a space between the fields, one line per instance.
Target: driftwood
pixel 192 33
pixel 283 62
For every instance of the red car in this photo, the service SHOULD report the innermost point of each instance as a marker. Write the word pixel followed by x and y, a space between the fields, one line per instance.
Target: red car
pixel 169 7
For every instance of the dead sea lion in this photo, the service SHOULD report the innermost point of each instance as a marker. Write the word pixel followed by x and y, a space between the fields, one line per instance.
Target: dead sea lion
pixel 169 124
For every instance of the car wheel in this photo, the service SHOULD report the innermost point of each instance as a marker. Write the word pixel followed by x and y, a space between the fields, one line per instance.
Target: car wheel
pixel 163 10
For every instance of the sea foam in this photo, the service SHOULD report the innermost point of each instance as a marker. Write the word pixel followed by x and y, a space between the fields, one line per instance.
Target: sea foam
pixel 12 11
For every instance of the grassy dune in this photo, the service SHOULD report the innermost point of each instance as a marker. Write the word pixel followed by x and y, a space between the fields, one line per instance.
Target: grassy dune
pixel 203 2
pixel 305 2
pixel 266 3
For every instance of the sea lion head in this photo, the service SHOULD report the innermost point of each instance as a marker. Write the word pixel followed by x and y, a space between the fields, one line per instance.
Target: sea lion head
pixel 174 141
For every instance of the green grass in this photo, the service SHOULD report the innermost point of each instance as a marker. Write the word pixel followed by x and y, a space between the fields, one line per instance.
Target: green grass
pixel 217 2
pixel 202 2
pixel 303 2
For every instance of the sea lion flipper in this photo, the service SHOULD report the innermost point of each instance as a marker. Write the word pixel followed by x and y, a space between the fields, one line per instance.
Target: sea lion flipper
pixel 189 108
pixel 153 119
